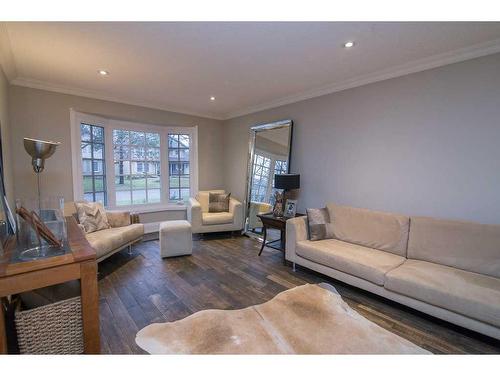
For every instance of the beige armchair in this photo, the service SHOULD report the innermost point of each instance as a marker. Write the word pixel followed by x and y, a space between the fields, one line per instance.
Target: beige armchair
pixel 257 208
pixel 203 221
pixel 124 232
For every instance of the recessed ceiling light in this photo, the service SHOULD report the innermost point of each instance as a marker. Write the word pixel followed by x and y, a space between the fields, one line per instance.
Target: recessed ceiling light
pixel 349 44
pixel 212 98
pixel 103 72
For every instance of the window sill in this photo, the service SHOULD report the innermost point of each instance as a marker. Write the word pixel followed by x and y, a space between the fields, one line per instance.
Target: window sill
pixel 150 209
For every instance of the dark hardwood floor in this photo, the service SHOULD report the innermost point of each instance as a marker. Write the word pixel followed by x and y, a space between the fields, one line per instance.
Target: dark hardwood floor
pixel 226 273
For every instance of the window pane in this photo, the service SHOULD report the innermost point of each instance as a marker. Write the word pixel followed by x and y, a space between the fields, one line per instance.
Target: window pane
pixel 86 150
pixel 153 182
pixel 174 168
pixel 121 152
pixel 153 139
pixel 137 167
pixel 184 141
pixel 122 183
pixel 173 141
pixel 173 154
pixel 174 195
pixel 98 149
pixel 122 167
pixel 100 197
pixel 137 138
pixel 174 182
pixel 153 168
pixel 185 168
pixel 85 132
pixel 97 167
pixel 139 196
pixel 89 197
pixel 137 153
pixel 154 195
pixel 121 137
pixel 184 194
pixel 87 185
pixel 86 167
pixel 99 183
pixel 184 182
pixel 184 155
pixel 138 182
pixel 97 134
pixel 153 154
pixel 123 198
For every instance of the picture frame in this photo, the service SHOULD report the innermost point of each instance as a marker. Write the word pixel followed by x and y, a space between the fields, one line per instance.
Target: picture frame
pixel 290 208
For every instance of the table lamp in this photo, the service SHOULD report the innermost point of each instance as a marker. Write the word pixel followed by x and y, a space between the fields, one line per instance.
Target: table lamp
pixel 285 182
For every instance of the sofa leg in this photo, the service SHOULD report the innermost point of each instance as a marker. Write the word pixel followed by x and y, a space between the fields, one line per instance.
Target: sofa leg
pixel 293 267
pixel 129 249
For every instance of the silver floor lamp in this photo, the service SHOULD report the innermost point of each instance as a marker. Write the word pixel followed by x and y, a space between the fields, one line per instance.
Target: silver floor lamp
pixel 39 151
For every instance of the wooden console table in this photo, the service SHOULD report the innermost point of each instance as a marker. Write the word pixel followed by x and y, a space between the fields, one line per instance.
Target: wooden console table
pixel 79 264
pixel 269 221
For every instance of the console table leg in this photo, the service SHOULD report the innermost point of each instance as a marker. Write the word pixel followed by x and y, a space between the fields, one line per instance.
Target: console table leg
pixel 3 334
pixel 90 307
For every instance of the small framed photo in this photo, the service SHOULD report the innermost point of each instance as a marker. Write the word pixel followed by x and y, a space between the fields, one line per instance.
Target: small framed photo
pixel 290 208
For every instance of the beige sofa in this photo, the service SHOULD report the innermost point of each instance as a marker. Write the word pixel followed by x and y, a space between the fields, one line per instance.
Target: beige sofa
pixel 447 269
pixel 124 232
pixel 203 221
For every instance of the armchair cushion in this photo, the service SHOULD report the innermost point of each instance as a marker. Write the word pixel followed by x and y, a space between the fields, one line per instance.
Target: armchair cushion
pixel 218 202
pixel 211 218
pixel 118 219
pixel 203 198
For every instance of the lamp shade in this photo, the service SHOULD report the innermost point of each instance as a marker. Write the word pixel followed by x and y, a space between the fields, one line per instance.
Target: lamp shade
pixel 39 151
pixel 287 181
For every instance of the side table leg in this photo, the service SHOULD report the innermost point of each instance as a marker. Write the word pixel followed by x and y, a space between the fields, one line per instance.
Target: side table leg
pixel 264 240
pixel 90 307
pixel 3 334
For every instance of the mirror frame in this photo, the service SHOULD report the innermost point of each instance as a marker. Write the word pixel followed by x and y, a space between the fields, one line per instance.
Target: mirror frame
pixel 254 130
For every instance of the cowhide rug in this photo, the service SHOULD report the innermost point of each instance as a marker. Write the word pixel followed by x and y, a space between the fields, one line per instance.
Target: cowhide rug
pixel 308 319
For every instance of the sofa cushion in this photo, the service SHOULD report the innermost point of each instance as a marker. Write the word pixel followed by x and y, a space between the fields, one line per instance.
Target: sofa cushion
pixel 469 246
pixel 356 260
pixel 213 218
pixel 471 294
pixel 218 202
pixel 92 216
pixel 203 197
pixel 374 229
pixel 107 240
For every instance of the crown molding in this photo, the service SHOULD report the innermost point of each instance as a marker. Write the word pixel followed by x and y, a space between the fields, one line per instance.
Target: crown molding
pixel 47 86
pixel 463 54
pixel 7 63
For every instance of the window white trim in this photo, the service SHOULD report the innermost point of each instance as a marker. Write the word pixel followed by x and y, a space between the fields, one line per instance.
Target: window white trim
pixel 76 118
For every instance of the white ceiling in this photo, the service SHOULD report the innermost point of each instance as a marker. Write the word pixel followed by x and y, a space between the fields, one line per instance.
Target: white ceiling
pixel 247 66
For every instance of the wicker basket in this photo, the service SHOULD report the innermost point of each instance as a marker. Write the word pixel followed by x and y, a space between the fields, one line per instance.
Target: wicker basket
pixel 51 329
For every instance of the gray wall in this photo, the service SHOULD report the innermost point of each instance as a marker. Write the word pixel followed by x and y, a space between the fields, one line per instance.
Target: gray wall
pixel 46 115
pixel 423 144
pixel 6 144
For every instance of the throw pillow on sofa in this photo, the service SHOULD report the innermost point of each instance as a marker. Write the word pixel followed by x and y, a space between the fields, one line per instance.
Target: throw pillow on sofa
pixel 218 202
pixel 318 221
pixel 92 216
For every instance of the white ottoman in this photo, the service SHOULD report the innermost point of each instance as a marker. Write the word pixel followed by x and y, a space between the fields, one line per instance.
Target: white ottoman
pixel 175 238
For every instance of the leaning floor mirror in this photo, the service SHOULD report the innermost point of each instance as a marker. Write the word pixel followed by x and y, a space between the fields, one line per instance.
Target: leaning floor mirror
pixel 269 154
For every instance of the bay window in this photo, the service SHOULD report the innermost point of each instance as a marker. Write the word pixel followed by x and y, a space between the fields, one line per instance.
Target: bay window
pixel 126 164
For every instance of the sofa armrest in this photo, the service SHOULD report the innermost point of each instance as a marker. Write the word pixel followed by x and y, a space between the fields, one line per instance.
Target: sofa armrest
pixel 296 230
pixel 236 208
pixel 121 218
pixel 194 214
